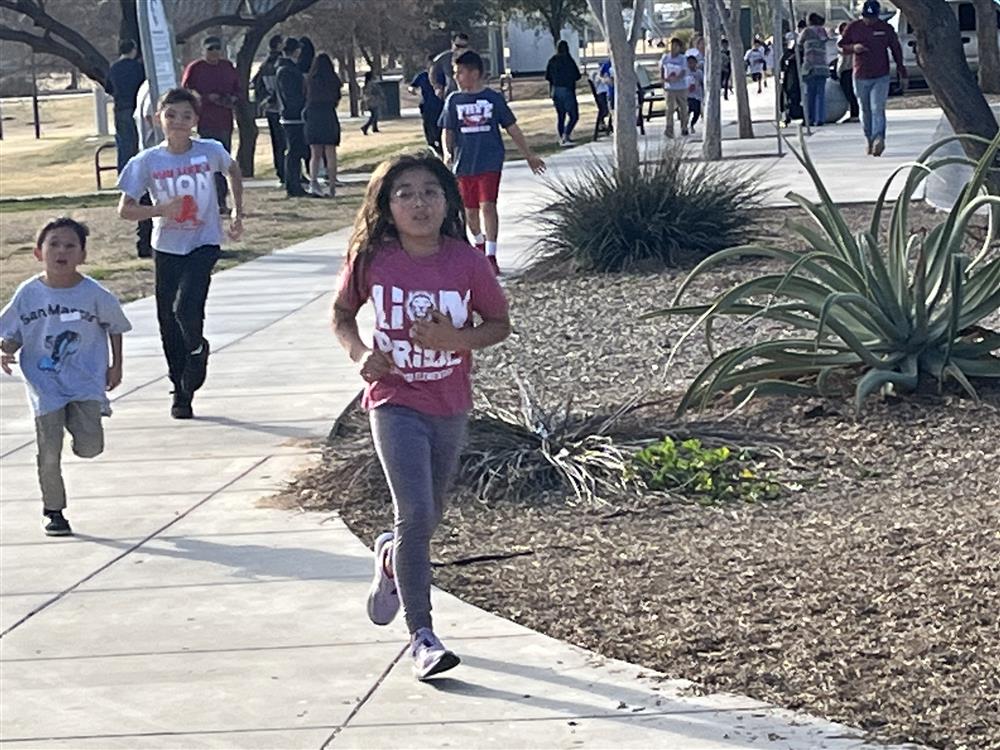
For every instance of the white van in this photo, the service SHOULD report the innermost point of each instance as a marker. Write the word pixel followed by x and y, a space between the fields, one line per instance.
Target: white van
pixel 967 24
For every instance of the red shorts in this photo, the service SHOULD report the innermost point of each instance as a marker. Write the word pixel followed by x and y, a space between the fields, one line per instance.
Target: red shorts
pixel 479 188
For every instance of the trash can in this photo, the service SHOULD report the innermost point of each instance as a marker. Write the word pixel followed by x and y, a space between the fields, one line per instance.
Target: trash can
pixel 390 95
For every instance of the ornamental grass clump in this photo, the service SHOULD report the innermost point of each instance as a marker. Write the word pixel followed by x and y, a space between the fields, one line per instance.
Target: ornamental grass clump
pixel 888 310
pixel 670 212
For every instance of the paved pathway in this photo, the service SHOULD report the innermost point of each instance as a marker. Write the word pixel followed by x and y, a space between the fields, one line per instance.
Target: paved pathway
pixel 184 614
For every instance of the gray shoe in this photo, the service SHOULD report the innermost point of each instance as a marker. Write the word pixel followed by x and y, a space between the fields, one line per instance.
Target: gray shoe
pixel 430 657
pixel 878 146
pixel 383 598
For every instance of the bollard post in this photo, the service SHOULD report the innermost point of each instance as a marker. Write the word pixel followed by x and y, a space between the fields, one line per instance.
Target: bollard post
pixel 100 110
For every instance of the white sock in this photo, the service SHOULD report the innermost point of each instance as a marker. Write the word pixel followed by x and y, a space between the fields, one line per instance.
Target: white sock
pixel 479 239
pixel 491 247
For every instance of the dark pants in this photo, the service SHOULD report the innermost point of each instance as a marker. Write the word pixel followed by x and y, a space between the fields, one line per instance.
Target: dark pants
pixel 847 86
pixel 144 231
pixel 727 77
pixel 295 139
pixel 567 110
pixel 182 283
pixel 694 107
pixel 126 136
pixel 432 133
pixel 277 143
pixel 372 121
pixel 226 139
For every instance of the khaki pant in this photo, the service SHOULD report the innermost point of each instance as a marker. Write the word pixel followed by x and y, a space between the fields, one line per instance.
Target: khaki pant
pixel 677 101
pixel 83 420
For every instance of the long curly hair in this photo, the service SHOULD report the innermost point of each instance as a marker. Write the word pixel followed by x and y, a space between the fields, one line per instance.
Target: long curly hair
pixel 373 226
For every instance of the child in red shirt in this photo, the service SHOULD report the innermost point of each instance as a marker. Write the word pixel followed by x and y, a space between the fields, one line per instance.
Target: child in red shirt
pixel 409 257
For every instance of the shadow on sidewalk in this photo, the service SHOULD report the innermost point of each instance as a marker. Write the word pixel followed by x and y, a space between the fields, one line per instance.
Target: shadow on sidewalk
pixel 280 430
pixel 254 561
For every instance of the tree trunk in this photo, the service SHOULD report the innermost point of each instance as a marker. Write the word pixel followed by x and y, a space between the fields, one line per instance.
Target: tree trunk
pixel 353 92
pixel 731 22
pixel 626 82
pixel 246 115
pixel 711 144
pixel 129 27
pixel 939 44
pixel 989 49
pixel 699 17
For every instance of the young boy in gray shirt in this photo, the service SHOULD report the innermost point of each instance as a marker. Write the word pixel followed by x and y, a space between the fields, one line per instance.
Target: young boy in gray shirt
pixel 61 322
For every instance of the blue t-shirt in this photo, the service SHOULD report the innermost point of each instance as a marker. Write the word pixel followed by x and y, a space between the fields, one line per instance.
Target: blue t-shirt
pixel 429 101
pixel 476 119
pixel 63 335
pixel 191 175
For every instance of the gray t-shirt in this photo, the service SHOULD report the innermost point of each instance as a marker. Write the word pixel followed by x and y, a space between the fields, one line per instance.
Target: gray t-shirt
pixel 64 340
pixel 190 174
pixel 443 72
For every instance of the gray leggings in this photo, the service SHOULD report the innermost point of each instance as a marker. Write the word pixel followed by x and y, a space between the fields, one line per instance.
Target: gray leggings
pixel 419 454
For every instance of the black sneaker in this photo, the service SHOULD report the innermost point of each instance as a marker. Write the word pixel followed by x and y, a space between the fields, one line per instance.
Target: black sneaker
pixel 57 524
pixel 181 408
pixel 195 369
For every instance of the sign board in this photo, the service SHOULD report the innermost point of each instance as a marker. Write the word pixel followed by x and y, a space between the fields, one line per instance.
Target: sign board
pixel 158 52
pixel 530 46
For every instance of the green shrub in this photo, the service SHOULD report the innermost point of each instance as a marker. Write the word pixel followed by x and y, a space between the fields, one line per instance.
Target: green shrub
pixel 710 475
pixel 671 212
pixel 892 313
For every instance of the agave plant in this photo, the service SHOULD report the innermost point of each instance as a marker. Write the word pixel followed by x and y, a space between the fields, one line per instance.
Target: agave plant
pixel 892 312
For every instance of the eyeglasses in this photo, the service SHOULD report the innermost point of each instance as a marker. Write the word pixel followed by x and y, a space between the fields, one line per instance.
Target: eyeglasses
pixel 410 197
pixel 213 48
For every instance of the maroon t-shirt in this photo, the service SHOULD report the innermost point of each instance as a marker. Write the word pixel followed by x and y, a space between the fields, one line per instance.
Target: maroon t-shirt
pixel 458 281
pixel 207 78
pixel 880 39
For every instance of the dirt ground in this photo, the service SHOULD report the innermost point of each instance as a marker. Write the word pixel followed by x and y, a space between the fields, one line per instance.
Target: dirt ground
pixel 272 221
pixel 868 593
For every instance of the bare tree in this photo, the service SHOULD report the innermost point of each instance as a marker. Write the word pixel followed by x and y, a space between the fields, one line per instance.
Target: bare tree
pixel 557 14
pixel 943 63
pixel 622 44
pixel 731 22
pixel 989 49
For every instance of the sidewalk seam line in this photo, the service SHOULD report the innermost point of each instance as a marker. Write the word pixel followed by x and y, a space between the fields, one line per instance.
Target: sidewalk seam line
pixel 364 699
pixel 148 383
pixel 131 549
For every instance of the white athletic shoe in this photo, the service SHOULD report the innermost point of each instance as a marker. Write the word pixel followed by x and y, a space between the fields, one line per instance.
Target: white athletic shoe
pixel 383 599
pixel 430 657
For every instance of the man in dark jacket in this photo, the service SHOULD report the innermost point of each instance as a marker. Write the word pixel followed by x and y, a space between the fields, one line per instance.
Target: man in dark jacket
pixel 562 74
pixel 266 93
pixel 291 90
pixel 124 79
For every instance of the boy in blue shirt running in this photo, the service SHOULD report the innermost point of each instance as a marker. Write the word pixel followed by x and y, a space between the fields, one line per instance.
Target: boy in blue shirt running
pixel 473 147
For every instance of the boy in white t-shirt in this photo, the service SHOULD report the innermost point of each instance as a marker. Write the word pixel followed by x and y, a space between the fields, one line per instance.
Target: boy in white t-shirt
pixel 179 175
pixel 673 70
pixel 756 62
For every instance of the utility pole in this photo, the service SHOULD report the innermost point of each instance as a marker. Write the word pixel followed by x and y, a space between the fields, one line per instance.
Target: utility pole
pixel 34 98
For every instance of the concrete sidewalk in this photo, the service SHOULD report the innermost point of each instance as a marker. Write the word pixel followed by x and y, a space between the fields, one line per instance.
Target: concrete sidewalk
pixel 185 615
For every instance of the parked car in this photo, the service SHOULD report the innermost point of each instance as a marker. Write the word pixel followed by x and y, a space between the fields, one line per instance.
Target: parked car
pixel 967 24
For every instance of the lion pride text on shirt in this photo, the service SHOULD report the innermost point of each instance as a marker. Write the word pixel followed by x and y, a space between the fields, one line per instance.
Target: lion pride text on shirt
pixel 190 175
pixel 456 281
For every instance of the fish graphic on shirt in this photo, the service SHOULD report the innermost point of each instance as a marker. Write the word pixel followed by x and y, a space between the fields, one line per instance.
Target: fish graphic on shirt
pixel 63 345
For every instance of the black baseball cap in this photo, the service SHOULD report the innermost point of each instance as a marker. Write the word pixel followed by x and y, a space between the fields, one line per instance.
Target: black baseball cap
pixel 211 41
pixel 871 8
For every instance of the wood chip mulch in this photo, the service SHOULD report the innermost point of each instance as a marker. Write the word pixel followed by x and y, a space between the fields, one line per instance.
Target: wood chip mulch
pixel 868 594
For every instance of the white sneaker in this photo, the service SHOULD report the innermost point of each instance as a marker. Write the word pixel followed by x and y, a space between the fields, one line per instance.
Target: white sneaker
pixel 430 657
pixel 383 598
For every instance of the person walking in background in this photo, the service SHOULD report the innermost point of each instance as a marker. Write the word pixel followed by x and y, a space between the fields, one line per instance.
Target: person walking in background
pixel 606 73
pixel 266 92
pixel 845 75
pixel 290 85
pixel 64 356
pixel 791 88
pixel 409 245
pixel 373 101
pixel 218 84
pixel 815 68
pixel 430 105
pixel 442 71
pixel 473 147
pixel 322 125
pixel 726 63
pixel 871 40
pixel 756 63
pixel 673 71
pixel 145 114
pixel 124 78
pixel 187 234
pixel 695 89
pixel 697 50
pixel 562 74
